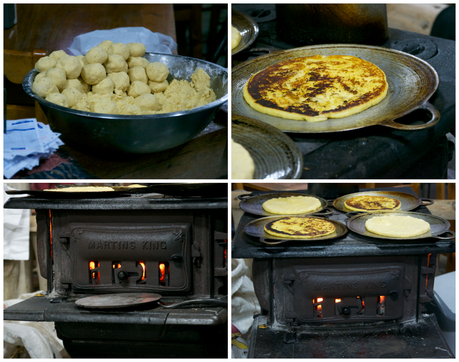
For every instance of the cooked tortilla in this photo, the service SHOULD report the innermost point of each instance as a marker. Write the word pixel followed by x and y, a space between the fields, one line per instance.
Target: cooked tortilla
pixel 292 205
pixel 397 226
pixel 372 203
pixel 316 88
pixel 300 227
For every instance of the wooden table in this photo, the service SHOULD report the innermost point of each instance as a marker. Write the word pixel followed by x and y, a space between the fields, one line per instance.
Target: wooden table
pixel 54 27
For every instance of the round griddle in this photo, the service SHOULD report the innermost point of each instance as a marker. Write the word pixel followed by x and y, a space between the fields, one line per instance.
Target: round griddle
pixel 248 29
pixel 256 228
pixel 116 301
pixel 412 81
pixel 408 201
pixel 438 225
pixel 254 204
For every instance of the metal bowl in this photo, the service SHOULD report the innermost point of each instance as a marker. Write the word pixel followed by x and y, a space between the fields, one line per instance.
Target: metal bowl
pixel 143 133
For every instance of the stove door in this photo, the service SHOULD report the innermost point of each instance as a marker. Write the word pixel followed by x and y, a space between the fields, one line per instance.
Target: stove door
pixel 140 257
pixel 344 293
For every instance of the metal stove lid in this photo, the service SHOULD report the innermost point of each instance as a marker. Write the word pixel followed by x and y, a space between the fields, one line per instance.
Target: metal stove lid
pixel 116 301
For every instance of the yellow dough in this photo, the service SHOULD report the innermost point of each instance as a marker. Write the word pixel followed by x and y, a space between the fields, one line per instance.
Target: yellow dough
pixel 300 227
pixel 292 205
pixel 242 165
pixel 235 37
pixel 316 88
pixel 397 226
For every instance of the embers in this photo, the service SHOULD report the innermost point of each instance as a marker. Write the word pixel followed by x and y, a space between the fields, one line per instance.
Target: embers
pixel 348 307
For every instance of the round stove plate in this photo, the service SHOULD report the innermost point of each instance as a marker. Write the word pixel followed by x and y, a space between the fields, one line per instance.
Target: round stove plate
pixel 119 300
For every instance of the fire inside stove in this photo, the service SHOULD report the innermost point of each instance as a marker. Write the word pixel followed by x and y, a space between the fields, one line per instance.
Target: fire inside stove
pixel 347 306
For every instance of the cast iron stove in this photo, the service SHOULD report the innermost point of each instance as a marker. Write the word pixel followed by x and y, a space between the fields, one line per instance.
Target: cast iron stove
pixel 374 152
pixel 131 248
pixel 354 296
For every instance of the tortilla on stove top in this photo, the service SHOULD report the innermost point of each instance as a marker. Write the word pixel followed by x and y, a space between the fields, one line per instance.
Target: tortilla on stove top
pixel 316 88
pixel 299 227
pixel 372 203
pixel 292 205
pixel 397 226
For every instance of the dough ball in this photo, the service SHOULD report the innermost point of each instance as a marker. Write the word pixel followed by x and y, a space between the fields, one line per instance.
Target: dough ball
pixel 96 55
pixel 138 73
pixel 93 73
pixel 136 49
pixel 115 63
pixel 121 49
pixel 106 86
pixel 121 81
pixel 138 88
pixel 130 109
pixel 147 102
pixel 57 54
pixel 82 60
pixel 158 87
pixel 45 86
pixel 105 106
pixel 39 75
pixel 45 63
pixel 58 76
pixel 58 98
pixel 157 72
pixel 78 84
pixel 71 65
pixel 137 62
pixel 105 44
pixel 73 95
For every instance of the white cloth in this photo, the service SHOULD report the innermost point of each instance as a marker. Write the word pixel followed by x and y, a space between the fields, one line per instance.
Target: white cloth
pixel 154 42
pixel 244 303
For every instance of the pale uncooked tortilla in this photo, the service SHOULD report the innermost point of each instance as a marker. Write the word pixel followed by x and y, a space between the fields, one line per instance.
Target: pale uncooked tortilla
pixel 242 165
pixel 293 205
pixel 235 37
pixel 397 226
pixel 82 189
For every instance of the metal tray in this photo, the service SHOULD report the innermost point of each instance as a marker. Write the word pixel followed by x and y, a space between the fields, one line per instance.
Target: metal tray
pixel 438 225
pixel 412 81
pixel 247 27
pixel 408 201
pixel 275 155
pixel 255 228
pixel 253 204
pixel 113 133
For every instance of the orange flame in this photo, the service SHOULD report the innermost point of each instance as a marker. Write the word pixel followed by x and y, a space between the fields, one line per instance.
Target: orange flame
pixel 162 272
pixel 142 264
pixel 92 265
pixel 319 300
pixel 337 300
pixel 382 299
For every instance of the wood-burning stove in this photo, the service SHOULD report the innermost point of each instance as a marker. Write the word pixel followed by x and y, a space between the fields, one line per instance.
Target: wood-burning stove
pixel 353 296
pixel 130 247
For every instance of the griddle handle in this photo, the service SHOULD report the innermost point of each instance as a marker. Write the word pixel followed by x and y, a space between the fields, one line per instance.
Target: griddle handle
pixel 428 107
pixel 449 234
pixel 244 196
pixel 353 213
pixel 426 202
pixel 264 241
pixel 324 212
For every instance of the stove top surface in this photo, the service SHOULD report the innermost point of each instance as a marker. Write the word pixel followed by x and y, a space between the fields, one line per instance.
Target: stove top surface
pixel 374 152
pixel 351 244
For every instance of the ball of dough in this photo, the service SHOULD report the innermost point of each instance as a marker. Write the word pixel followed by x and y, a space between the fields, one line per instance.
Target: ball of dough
pixel 73 95
pixel 137 62
pixel 136 49
pixel 39 75
pixel 58 98
pixel 121 49
pixel 131 109
pixel 138 73
pixel 45 63
pixel 158 87
pixel 79 84
pixel 115 63
pixel 45 86
pixel 57 54
pixel 106 86
pixel 138 88
pixel 157 72
pixel 93 73
pixel 105 106
pixel 82 60
pixel 106 44
pixel 147 102
pixel 96 55
pixel 58 76
pixel 71 65
pixel 121 81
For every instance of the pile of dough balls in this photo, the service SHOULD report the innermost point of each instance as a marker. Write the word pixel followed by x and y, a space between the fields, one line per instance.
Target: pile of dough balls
pixel 114 78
